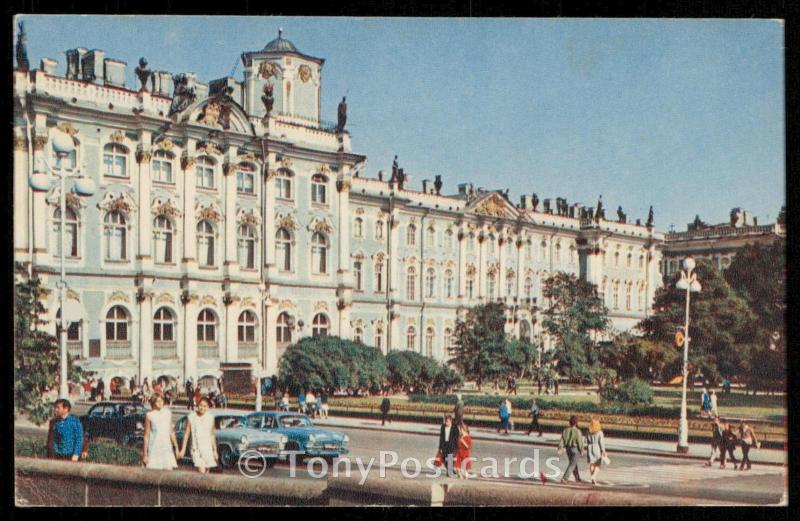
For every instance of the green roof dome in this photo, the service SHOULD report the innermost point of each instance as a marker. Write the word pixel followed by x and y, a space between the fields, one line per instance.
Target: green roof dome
pixel 280 44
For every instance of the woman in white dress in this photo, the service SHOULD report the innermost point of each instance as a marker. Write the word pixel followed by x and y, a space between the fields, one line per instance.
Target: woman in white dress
pixel 200 428
pixel 160 443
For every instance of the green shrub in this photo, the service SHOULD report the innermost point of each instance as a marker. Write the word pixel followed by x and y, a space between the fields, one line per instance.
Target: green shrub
pixel 30 448
pixel 99 452
pixel 633 392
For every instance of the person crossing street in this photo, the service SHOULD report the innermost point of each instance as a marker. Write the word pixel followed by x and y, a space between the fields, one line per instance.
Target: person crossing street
pixel 573 442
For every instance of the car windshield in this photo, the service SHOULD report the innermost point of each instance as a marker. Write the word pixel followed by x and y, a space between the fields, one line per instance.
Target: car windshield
pixel 230 422
pixel 295 421
pixel 131 409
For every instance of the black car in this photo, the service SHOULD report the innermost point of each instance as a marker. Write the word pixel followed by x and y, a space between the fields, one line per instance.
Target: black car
pixel 120 421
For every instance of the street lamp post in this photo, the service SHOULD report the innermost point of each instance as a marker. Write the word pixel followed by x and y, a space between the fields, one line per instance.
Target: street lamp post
pixel 688 281
pixel 63 146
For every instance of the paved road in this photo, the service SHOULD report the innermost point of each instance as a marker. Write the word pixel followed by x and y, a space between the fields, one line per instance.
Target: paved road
pixel 630 473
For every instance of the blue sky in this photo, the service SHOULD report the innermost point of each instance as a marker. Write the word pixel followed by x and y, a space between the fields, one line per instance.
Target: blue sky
pixel 684 115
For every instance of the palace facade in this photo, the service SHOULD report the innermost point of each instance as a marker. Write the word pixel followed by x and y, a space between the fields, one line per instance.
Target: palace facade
pixel 221 233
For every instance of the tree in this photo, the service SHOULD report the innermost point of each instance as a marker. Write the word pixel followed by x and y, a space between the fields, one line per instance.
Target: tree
pixel 574 317
pixel 407 369
pixel 719 328
pixel 634 357
pixel 479 343
pixel 758 274
pixel 36 353
pixel 332 363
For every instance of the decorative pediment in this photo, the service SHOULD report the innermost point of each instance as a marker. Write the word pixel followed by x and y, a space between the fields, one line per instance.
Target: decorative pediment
pixel 430 322
pixel 471 269
pixel 165 144
pixel 248 302
pixel 286 305
pixel 208 300
pixel 379 256
pixel 248 157
pixel 119 296
pixel 287 221
pixel 510 273
pixel 67 128
pixel 320 306
pixel 252 217
pixel 324 169
pixel 165 206
pixel 411 261
pixel 71 199
pixel 430 263
pixel 208 147
pixel 411 321
pixel 493 269
pixel 322 225
pixel 358 255
pixel 493 205
pixel 117 201
pixel 357 323
pixel 448 323
pixel 165 298
pixel 377 324
pixel 284 162
pixel 72 294
pixel 449 264
pixel 269 69
pixel 117 137
pixel 359 211
pixel 208 212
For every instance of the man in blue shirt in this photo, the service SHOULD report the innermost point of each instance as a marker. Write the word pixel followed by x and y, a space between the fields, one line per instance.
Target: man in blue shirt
pixel 65 438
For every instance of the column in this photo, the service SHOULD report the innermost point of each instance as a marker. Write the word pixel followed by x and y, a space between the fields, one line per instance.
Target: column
pixel 189 221
pixel 343 188
pixel 190 338
pixel 393 262
pixel 229 211
pixel 501 274
pixel 21 193
pixel 462 263
pixel 345 331
pixel 520 269
pixel 481 289
pixel 145 335
pixel 39 202
pixel 397 338
pixel 269 359
pixel 232 311
pixel 269 215
pixel 145 234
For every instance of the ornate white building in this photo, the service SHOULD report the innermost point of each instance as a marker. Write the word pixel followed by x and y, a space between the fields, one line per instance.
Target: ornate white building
pixel 217 234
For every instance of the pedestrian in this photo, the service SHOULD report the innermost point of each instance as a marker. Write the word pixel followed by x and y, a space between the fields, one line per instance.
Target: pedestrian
pixel 285 402
pixel 458 410
pixel 713 401
pixel 323 400
pixel 571 441
pixel 706 402
pixel 596 449
pixel 444 438
pixel 510 412
pixel 539 385
pixel 729 443
pixel 101 389
pixel 311 402
pixel 112 386
pixel 463 456
pixel 189 389
pixel 160 444
pixel 386 406
pixel 65 433
pixel 200 428
pixel 198 395
pixel 747 437
pixel 301 401
pixel 726 386
pixel 503 413
pixel 86 387
pixel 556 384
pixel 146 389
pixel 448 443
pixel 534 414
pixel 716 441
pixel 158 387
pixel 93 395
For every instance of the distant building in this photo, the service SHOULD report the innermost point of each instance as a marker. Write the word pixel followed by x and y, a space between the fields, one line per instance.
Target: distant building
pixel 718 242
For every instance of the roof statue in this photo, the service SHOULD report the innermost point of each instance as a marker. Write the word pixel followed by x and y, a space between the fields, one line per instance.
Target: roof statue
pixel 268 98
pixel 22 52
pixel 650 218
pixel 437 184
pixel 599 212
pixel 341 115
pixel 183 95
pixel 534 202
pixel 144 74
pixel 621 217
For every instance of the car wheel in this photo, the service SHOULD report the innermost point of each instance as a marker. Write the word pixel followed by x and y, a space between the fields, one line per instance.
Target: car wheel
pixel 225 456
pixel 270 462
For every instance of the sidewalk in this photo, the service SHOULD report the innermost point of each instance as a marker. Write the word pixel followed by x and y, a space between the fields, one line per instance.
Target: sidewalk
pixel 645 447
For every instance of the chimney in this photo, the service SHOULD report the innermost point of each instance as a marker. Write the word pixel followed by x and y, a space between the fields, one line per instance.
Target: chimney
pixel 48 65
pixel 546 206
pixel 380 175
pixel 427 186
pixel 464 188
pixel 163 82
pixel 525 202
pixel 114 73
pixel 75 63
pixel 92 66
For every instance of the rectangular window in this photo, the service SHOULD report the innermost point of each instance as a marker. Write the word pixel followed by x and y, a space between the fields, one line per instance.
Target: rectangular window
pixel 357 273
pixel 283 188
pixel 245 182
pixel 162 171
pixel 205 177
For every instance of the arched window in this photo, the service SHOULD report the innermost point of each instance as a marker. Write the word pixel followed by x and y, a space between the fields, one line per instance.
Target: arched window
pixel 557 253
pixel 161 167
pixel 448 338
pixel 641 262
pixel 379 336
pixel 543 247
pixel 117 324
pixel 283 249
pixel 358 335
pixel 616 259
pixel 411 235
pixel 163 326
pixel 378 229
pixel 430 282
pixel 628 292
pixel 411 282
pixel 206 326
pixel 629 262
pixel 429 342
pixel 528 288
pixel 641 298
pixel 205 243
pixel 448 240
pixel 162 239
pixel 115 230
pixel 319 326
pixel 524 331
pixel 615 300
pixel 448 283
pixel 204 172
pixel 431 237
pixel 246 239
pixel 284 329
pixel 357 274
pixel 509 284
pixel 283 185
pixel 115 160
pixel 70 232
pixel 411 338
pixel 247 327
pixel 379 275
pixel 490 285
pixel 73 328
pixel 358 227
pixel 246 179
pixel 470 286
pixel 319 189
pixel 319 253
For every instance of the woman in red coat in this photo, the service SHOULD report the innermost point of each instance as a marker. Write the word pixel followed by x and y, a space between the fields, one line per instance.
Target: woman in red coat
pixel 463 456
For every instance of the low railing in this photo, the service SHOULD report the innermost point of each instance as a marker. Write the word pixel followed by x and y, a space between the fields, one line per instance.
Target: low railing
pixel 207 351
pixel 165 350
pixel 118 350
pixel 75 349
pixel 248 350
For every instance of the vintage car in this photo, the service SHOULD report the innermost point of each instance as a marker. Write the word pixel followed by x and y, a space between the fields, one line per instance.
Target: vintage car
pixel 302 435
pixel 234 437
pixel 120 421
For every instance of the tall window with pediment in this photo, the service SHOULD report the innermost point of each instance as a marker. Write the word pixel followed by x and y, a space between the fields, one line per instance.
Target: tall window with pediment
pixel 319 189
pixel 205 243
pixel 358 227
pixel 162 239
pixel 319 254
pixel 490 285
pixel 431 237
pixel 358 335
pixel 73 328
pixel 117 324
pixel 246 239
pixel 206 326
pixel 115 229
pixel 616 259
pixel 161 167
pixel 283 185
pixel 430 282
pixel 628 296
pixel 378 337
pixel 470 243
pixel 641 262
pixel 284 329
pixel 204 173
pixel 378 230
pixel 629 261
pixel 528 287
pixel 557 253
pixel 470 286
pixel 615 300
pixel 70 232
pixel 115 160
pixel 509 284
pixel 320 325
pixel 641 298
pixel 163 325
pixel 283 249
pixel 490 244
pixel 246 328
pixel 543 247
pixel 448 283
pixel 411 235
pixel 357 274
pixel 411 338
pixel 528 250
pixel 411 282
pixel 379 275
pixel 448 338
pixel 429 342
pixel 246 180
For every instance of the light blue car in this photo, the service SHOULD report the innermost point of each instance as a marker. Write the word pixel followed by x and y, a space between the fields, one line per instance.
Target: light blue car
pixel 302 434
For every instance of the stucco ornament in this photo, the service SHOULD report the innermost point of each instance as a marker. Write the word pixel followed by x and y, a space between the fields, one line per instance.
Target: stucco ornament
pixel 119 296
pixel 165 207
pixel 116 201
pixel 304 72
pixel 208 212
pixel 165 144
pixel 208 147
pixel 252 217
pixel 268 69
pixel 287 221
pixel 210 114
pixel 68 128
pixel 320 306
pixel 71 199
pixel 117 137
pixel 491 207
pixel 322 225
